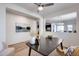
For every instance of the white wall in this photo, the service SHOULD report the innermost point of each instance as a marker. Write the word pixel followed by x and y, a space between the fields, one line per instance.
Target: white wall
pixel 21 9
pixel 16 37
pixel 70 39
pixel 2 23
pixel 3 8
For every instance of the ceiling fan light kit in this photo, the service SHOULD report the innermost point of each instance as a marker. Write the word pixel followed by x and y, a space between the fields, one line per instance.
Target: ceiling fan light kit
pixel 42 5
pixel 40 8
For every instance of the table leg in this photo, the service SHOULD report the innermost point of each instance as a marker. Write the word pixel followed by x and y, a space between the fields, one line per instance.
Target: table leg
pixel 61 45
pixel 29 51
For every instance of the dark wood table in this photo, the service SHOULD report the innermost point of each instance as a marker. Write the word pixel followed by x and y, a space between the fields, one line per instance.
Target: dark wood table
pixel 46 46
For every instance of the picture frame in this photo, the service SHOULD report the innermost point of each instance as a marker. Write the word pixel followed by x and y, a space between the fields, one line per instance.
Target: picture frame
pixel 22 27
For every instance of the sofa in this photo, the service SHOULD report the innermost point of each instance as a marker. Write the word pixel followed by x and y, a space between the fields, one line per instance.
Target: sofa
pixel 5 50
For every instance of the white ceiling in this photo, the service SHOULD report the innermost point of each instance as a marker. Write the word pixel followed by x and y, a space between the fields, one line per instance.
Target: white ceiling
pixel 65 17
pixel 69 16
pixel 47 10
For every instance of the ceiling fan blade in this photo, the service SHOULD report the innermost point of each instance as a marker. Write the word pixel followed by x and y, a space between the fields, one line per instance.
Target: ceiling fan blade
pixel 38 4
pixel 44 5
pixel 48 4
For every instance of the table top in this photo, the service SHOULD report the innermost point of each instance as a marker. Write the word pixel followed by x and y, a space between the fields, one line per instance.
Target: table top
pixel 46 46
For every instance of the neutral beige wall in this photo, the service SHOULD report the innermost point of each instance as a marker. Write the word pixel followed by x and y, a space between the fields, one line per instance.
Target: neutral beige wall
pixel 12 36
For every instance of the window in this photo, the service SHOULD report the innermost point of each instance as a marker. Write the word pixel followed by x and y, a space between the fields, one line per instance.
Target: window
pixel 54 27
pixel 64 23
pixel 60 28
pixel 70 27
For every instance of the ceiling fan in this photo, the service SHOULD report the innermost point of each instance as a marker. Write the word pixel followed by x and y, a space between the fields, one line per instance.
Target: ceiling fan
pixel 42 5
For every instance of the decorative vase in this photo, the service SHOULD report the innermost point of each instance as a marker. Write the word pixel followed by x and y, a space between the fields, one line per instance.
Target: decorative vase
pixel 32 41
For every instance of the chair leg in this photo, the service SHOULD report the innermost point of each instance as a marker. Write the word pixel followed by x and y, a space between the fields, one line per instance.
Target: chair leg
pixel 61 45
pixel 29 51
